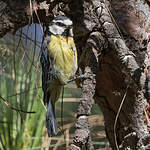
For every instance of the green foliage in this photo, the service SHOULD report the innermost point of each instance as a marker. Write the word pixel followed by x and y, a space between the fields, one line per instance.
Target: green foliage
pixel 19 80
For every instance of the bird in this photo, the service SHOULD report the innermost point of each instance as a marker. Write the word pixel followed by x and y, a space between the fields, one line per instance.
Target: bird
pixel 59 64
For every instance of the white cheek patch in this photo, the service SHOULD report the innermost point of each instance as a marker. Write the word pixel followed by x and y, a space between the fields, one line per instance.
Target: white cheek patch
pixel 54 29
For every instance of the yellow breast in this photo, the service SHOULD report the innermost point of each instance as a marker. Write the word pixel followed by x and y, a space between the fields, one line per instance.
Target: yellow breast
pixel 63 51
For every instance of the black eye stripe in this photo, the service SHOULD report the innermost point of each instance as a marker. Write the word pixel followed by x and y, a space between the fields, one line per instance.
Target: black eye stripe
pixel 60 24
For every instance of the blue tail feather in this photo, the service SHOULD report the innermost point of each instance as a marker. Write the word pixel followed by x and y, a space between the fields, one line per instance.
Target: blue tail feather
pixel 51 123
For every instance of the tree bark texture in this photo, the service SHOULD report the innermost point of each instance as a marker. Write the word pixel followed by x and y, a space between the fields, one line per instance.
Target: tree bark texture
pixel 82 134
pixel 112 38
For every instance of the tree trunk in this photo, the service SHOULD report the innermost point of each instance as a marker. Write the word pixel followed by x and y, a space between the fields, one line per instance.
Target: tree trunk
pixel 121 75
pixel 123 46
pixel 115 36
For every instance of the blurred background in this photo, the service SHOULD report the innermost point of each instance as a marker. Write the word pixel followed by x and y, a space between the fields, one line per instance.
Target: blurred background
pixel 20 87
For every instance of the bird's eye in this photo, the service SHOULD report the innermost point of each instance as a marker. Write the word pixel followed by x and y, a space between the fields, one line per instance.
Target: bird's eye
pixel 60 24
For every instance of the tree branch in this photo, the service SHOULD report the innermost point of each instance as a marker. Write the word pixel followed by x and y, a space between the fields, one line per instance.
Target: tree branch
pixel 82 135
pixel 16 14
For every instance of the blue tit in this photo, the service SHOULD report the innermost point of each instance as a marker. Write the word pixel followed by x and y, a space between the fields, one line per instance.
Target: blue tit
pixel 59 64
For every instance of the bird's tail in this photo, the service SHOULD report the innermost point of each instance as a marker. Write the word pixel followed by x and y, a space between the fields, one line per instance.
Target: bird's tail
pixel 51 123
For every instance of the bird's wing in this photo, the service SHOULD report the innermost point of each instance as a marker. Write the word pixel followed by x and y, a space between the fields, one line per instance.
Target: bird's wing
pixel 46 67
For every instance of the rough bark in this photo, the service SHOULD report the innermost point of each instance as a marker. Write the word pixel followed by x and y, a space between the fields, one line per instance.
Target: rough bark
pixel 82 134
pixel 122 59
pixel 16 14
pixel 121 71
pixel 113 42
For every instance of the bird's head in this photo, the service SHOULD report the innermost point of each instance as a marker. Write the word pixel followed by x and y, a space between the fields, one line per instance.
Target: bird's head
pixel 61 25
